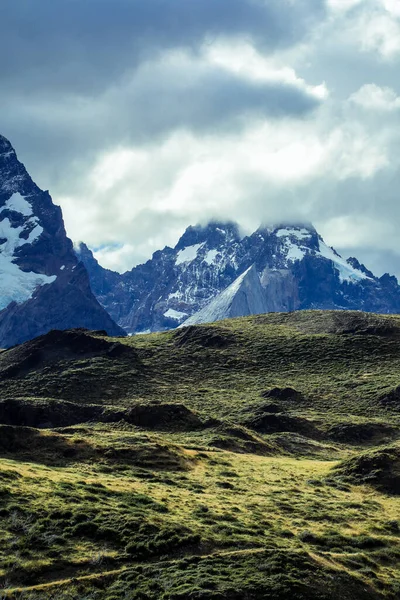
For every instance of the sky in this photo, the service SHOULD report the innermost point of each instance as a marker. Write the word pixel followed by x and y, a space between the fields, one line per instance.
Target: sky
pixel 145 116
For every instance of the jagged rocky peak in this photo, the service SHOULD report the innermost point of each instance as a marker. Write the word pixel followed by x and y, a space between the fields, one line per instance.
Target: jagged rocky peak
pixel 41 285
pixel 14 178
pixel 34 248
pixel 215 234
pixel 291 268
pixel 284 245
pixel 353 262
pixel 302 235
pixel 7 152
pixel 82 250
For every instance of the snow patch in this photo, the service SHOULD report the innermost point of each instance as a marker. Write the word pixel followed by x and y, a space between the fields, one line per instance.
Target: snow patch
pixel 12 235
pixel 188 254
pixel 175 314
pixel 300 234
pixel 175 295
pixel 62 268
pixel 19 204
pixel 211 256
pixel 294 252
pixel 346 271
pixel 17 285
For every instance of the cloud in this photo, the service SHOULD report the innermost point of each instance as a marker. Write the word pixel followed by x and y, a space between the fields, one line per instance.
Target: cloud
pixel 202 92
pixel 145 117
pixel 371 26
pixel 311 169
pixel 78 46
pixel 372 97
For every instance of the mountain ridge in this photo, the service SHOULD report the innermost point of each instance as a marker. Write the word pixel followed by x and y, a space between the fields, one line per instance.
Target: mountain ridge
pixel 296 269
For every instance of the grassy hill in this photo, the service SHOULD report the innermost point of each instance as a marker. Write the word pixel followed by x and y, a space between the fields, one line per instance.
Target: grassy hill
pixel 254 458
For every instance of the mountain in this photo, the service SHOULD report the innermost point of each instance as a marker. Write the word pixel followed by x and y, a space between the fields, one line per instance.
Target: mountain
pixel 174 284
pixel 42 284
pixel 294 266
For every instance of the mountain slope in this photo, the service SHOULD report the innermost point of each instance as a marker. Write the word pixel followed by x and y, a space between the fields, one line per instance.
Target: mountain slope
pixel 42 285
pixel 295 267
pixel 254 458
pixel 245 296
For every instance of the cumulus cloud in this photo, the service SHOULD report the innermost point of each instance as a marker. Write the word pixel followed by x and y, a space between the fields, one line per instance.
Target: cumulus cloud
pixel 372 97
pixel 312 169
pixel 145 117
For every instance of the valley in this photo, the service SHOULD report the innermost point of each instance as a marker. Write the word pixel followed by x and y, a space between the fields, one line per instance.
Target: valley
pixel 252 458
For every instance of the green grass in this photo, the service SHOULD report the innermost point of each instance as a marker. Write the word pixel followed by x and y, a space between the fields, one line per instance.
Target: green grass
pixel 235 494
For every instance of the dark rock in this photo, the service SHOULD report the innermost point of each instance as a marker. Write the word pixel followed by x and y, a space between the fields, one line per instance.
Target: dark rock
pixel 273 423
pixel 163 416
pixel 45 414
pixel 285 394
pixel 362 433
pixel 380 469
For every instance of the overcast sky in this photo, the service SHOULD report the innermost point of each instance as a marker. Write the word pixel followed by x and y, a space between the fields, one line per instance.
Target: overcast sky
pixel 145 116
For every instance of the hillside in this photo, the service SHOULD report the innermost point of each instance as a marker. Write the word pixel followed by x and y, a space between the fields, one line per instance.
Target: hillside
pixel 252 458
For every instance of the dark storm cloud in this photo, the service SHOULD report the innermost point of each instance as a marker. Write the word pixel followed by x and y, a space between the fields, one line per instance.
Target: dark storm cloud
pixel 209 100
pixel 155 100
pixel 80 45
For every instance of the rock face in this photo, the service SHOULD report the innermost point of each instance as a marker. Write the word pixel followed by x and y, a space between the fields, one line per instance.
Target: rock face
pixel 245 296
pixel 42 284
pixel 291 269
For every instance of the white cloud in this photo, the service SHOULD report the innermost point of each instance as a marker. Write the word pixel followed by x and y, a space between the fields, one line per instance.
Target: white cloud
pixel 342 5
pixel 245 60
pixel 354 231
pixel 379 33
pixel 361 26
pixel 392 6
pixel 371 96
pixel 267 172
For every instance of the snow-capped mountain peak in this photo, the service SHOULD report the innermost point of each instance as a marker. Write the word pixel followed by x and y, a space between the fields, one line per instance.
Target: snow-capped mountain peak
pixel 214 235
pixel 19 229
pixel 41 284
pixel 290 263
